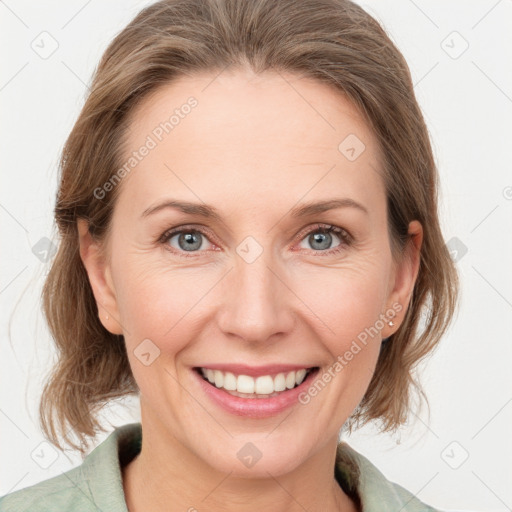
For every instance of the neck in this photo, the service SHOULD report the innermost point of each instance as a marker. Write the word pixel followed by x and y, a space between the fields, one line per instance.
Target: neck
pixel 166 476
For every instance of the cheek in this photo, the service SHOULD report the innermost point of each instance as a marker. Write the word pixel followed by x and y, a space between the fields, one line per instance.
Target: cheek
pixel 159 303
pixel 159 307
pixel 346 304
pixel 346 300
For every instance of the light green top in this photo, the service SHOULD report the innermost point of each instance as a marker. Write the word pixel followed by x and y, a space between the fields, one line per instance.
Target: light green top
pixel 96 484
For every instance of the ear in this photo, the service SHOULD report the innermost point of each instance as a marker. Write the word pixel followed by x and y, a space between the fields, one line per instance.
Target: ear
pixel 100 278
pixel 404 278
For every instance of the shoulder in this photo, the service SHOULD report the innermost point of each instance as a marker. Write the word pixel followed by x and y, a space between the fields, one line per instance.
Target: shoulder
pixel 375 491
pixel 94 485
pixel 62 492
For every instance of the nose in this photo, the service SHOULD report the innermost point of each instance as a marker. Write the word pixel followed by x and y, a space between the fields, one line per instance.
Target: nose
pixel 257 302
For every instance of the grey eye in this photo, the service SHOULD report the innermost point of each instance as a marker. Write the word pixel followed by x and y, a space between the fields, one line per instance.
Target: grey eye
pixel 187 240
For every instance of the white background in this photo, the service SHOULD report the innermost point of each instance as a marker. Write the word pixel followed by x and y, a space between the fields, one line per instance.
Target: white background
pixel 467 101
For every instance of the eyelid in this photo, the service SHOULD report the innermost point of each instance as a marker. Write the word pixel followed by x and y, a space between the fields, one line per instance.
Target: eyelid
pixel 346 238
pixel 169 233
pixel 322 226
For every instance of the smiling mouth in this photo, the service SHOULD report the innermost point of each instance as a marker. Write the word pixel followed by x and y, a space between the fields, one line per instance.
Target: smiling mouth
pixel 263 386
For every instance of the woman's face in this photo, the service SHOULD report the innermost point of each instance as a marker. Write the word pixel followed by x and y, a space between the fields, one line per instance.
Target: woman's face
pixel 256 289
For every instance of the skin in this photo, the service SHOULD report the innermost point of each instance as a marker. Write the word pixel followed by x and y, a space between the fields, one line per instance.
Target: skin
pixel 255 147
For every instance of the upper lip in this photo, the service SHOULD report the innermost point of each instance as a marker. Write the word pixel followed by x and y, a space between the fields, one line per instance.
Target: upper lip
pixel 256 371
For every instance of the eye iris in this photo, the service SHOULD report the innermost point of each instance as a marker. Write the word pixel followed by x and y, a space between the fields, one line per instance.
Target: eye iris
pixel 192 241
pixel 321 237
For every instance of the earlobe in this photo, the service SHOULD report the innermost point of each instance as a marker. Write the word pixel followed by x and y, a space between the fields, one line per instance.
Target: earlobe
pixel 99 278
pixel 405 276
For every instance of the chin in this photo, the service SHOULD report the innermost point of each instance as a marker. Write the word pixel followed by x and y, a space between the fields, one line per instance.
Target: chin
pixel 248 459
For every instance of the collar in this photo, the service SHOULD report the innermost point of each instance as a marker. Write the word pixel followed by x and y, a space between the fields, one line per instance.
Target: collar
pixel 101 469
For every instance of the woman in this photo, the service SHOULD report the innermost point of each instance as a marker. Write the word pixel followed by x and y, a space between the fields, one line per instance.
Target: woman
pixel 250 237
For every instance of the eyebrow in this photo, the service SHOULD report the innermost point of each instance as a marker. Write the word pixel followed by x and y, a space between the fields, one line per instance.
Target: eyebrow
pixel 210 212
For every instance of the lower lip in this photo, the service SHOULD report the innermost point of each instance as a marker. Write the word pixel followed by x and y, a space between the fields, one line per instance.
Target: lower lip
pixel 254 407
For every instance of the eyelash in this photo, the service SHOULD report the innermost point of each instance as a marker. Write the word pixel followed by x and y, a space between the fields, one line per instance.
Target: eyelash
pixel 346 238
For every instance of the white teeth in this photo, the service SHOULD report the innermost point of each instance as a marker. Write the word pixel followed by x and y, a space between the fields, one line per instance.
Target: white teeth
pixel 290 380
pixel 245 384
pixel 279 382
pixel 299 376
pixel 262 386
pixel 219 378
pixel 229 381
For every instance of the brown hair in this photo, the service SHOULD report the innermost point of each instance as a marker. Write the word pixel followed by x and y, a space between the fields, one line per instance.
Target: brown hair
pixel 332 41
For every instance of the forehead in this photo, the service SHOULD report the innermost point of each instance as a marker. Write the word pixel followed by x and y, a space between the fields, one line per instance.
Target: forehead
pixel 237 134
